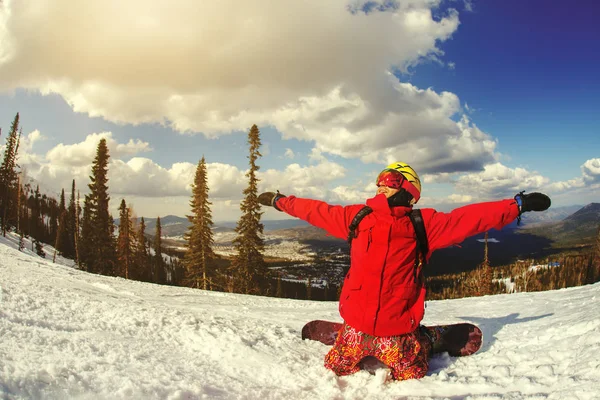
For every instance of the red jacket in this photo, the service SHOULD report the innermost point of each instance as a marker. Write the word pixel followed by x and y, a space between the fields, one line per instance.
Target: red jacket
pixel 380 295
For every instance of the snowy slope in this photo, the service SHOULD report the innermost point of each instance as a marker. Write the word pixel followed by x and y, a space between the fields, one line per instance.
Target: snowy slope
pixel 69 334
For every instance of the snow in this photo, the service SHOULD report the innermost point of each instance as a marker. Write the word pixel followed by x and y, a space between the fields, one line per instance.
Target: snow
pixel 67 334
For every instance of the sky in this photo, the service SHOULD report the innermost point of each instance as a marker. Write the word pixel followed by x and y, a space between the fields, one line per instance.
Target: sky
pixel 483 99
pixel 68 334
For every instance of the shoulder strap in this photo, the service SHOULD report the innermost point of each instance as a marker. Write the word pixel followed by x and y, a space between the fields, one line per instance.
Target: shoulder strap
pixel 422 245
pixel 363 212
pixel 417 220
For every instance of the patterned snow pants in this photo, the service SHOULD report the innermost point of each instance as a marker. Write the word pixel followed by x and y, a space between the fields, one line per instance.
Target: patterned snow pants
pixel 407 355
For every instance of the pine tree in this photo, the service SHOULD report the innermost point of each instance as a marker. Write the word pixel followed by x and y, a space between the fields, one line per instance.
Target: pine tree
pixel 480 281
pixel 20 201
pixel 143 263
pixel 199 255
pixel 101 254
pixel 160 275
pixel 8 178
pixel 53 217
pixel 71 225
pixel 595 262
pixel 37 224
pixel 63 237
pixel 125 243
pixel 77 233
pixel 248 266
pixel 279 290
pixel 86 243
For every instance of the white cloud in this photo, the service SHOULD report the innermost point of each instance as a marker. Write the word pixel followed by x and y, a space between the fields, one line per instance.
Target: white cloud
pixel 27 141
pixel 350 195
pixel 591 170
pixel 590 178
pixel 143 181
pixel 289 153
pixel 83 153
pixel 498 181
pixel 217 67
pixel 303 181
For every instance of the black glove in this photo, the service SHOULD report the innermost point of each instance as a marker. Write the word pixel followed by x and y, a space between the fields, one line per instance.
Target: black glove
pixel 270 199
pixel 532 202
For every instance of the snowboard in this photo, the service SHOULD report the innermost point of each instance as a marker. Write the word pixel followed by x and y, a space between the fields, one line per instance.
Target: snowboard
pixel 462 339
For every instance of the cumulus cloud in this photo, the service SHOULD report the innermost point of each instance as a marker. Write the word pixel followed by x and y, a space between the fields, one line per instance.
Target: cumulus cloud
pixel 27 141
pixel 303 181
pixel 591 170
pixel 142 178
pixel 499 181
pixel 80 154
pixel 590 177
pixel 289 153
pixel 220 66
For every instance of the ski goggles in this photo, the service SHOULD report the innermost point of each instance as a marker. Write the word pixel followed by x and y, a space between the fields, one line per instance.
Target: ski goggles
pixel 390 178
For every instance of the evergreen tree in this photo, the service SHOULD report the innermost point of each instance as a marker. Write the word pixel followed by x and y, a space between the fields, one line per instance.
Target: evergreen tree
pixel 143 262
pixel 77 234
pixel 160 275
pixel 248 266
pixel 86 243
pixel 8 178
pixel 480 281
pixel 52 217
pixel 125 242
pixel 20 208
pixel 199 255
pixel 37 225
pixel 63 240
pixel 71 225
pixel 279 290
pixel 101 257
pixel 595 262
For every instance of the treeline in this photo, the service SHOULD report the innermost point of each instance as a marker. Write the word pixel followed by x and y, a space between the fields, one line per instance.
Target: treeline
pixel 85 231
pixel 556 272
pixel 85 234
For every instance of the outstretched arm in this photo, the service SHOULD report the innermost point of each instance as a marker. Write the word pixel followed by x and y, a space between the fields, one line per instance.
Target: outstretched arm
pixel 333 219
pixel 446 229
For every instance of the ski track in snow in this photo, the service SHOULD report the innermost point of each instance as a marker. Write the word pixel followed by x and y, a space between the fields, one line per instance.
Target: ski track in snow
pixel 67 334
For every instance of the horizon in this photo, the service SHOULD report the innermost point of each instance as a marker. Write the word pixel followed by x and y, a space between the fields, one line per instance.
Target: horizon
pixel 290 218
pixel 482 99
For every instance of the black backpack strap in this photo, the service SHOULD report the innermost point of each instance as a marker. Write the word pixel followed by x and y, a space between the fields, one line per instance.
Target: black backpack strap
pixel 422 244
pixel 363 212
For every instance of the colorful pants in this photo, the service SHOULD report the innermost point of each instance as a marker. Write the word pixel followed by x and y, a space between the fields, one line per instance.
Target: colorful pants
pixel 407 355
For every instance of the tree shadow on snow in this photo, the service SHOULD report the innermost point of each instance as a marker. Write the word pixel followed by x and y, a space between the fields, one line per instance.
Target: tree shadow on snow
pixel 489 327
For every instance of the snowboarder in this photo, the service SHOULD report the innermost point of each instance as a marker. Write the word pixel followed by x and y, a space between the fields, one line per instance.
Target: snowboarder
pixel 383 295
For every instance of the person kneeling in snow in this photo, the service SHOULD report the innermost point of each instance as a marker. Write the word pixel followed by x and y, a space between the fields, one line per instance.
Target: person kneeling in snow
pixel 383 296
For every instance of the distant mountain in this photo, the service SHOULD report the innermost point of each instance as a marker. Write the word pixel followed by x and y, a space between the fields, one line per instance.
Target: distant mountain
pixel 553 214
pixel 173 225
pixel 579 228
pixel 270 225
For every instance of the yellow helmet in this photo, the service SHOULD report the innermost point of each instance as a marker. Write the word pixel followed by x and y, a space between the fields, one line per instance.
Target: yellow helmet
pixel 411 182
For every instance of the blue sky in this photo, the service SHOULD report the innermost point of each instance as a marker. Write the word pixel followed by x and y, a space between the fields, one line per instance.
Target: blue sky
pixel 482 98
